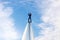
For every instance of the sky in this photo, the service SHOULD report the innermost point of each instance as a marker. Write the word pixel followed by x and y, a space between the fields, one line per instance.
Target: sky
pixel 45 19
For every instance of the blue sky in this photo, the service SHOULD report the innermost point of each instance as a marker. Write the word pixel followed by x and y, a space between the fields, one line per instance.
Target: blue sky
pixel 45 19
pixel 21 8
pixel 21 15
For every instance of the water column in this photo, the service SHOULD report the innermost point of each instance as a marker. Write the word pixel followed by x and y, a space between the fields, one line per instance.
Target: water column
pixel 28 32
pixel 29 25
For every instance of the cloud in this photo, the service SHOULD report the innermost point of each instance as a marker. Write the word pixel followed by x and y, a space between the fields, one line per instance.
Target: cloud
pixel 51 19
pixel 7 30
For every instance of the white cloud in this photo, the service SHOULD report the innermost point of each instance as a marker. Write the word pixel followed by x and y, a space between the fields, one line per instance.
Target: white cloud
pixel 5 12
pixel 51 19
pixel 7 30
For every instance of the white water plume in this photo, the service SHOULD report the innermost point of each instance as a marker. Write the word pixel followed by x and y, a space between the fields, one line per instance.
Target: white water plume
pixel 31 32
pixel 26 33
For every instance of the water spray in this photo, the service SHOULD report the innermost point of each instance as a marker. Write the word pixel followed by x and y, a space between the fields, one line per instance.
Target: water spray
pixel 29 25
pixel 28 33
